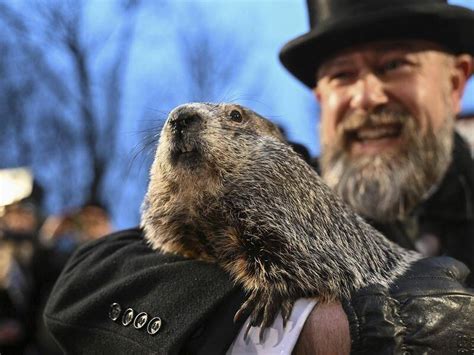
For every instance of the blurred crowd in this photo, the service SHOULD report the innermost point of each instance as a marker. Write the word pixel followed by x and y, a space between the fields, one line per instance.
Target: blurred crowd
pixel 34 247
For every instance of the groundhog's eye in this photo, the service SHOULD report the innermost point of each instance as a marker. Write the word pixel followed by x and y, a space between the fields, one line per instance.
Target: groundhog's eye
pixel 236 116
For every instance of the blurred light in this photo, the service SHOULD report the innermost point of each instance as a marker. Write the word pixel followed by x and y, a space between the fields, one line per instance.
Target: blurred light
pixel 15 185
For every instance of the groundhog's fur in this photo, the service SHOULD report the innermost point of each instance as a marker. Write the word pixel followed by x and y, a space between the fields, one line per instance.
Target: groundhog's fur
pixel 225 187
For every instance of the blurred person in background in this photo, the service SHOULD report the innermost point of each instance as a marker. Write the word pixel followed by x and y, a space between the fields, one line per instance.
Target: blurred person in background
pixel 62 234
pixel 59 236
pixel 33 251
pixel 20 219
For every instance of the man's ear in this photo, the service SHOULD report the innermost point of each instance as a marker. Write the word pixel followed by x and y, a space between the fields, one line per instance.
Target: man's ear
pixel 317 93
pixel 463 69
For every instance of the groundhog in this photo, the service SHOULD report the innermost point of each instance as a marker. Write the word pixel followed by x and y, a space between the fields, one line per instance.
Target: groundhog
pixel 225 187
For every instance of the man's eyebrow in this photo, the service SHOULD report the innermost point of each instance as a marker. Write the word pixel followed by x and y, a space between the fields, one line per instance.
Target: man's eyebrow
pixel 336 62
pixel 381 48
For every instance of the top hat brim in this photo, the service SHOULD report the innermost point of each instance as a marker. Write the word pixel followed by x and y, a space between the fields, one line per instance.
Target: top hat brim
pixel 448 25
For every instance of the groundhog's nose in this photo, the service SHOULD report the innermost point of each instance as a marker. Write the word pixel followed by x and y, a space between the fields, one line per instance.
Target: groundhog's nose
pixel 184 120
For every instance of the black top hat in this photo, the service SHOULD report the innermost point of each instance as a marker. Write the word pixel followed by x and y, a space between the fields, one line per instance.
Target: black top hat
pixel 339 24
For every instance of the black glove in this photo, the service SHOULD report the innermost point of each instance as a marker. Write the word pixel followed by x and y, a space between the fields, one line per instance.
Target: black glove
pixel 426 311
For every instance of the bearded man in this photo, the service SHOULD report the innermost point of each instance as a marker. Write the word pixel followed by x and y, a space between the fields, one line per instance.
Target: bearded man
pixel 388 112
pixel 389 76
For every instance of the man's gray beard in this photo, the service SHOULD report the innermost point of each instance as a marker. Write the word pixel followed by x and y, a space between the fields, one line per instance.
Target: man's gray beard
pixel 388 186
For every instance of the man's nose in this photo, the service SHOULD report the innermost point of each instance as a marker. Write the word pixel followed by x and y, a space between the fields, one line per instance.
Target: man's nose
pixel 368 93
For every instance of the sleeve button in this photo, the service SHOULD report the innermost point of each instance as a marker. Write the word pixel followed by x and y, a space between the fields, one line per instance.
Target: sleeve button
pixel 127 317
pixel 140 320
pixel 115 311
pixel 154 326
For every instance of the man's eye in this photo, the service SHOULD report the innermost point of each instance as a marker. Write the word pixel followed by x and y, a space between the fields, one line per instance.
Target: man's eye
pixel 393 65
pixel 341 75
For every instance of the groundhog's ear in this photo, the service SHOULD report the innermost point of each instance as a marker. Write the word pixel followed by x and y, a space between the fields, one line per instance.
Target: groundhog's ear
pixel 276 131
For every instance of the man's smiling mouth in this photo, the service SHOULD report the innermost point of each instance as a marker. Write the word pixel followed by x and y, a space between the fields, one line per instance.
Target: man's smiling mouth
pixel 373 139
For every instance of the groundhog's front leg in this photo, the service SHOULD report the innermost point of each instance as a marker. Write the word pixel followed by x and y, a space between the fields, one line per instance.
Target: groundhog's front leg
pixel 254 263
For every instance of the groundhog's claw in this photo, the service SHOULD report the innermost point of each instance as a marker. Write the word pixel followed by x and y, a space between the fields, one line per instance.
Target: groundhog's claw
pixel 286 308
pixel 263 308
pixel 244 309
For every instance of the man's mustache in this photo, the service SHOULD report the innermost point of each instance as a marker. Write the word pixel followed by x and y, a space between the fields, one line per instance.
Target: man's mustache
pixel 354 122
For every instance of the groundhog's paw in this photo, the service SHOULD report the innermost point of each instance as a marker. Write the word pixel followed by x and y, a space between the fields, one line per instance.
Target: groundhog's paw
pixel 263 307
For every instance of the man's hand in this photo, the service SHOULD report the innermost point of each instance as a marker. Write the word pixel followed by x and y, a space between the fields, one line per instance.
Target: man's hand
pixel 326 331
pixel 427 310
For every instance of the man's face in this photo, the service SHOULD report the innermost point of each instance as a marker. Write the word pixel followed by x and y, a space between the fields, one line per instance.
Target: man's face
pixel 387 112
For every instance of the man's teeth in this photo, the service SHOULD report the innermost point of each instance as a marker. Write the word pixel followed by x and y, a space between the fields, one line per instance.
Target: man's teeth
pixel 377 132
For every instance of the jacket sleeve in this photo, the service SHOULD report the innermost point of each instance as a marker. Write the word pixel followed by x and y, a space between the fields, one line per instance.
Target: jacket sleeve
pixel 116 295
pixel 425 311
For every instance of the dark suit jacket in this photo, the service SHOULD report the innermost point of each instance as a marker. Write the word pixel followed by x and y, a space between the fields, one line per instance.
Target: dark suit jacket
pixel 122 269
pixel 448 214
